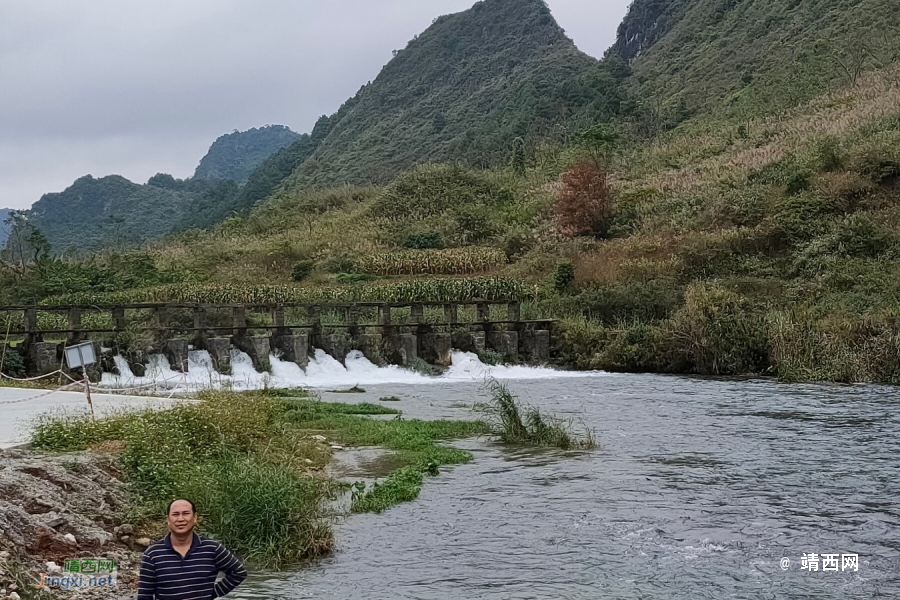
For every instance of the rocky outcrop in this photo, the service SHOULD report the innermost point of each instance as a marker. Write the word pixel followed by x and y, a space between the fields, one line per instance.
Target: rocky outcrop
pixel 58 507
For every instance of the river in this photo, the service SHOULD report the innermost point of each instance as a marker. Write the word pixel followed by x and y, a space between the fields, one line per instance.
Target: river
pixel 700 488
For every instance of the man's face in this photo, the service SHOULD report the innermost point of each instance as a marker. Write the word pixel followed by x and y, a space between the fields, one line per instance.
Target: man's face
pixel 181 517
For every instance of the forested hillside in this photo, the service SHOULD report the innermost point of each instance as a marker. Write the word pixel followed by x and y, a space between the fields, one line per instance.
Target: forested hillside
pixel 501 83
pixel 466 89
pixel 235 155
pixel 4 228
pixel 752 57
pixel 113 212
pixel 671 219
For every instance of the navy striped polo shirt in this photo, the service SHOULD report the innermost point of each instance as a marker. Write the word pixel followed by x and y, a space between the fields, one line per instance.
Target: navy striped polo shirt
pixel 165 575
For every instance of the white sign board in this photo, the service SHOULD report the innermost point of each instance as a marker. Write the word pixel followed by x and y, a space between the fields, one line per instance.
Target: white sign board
pixel 80 355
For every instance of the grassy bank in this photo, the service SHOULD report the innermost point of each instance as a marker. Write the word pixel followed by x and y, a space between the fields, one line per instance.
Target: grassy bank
pixel 253 466
pixel 415 443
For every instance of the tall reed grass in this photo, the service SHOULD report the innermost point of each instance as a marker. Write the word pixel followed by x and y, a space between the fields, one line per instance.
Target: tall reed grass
pixel 516 423
pixel 231 454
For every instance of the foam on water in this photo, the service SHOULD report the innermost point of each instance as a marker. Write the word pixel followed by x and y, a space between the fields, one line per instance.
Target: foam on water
pixel 323 371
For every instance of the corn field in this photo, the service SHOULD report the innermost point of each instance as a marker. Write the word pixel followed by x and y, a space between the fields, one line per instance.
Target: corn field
pixel 426 290
pixel 454 261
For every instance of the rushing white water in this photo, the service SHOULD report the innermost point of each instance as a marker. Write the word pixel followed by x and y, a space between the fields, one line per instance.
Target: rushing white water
pixel 323 371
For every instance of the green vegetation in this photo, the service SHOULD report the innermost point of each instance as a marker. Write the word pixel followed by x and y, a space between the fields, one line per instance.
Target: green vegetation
pixel 490 357
pixel 4 226
pixel 311 410
pixel 354 390
pixel 112 212
pixel 245 459
pixel 464 89
pixel 526 425
pixel 233 454
pixel 15 570
pixel 677 207
pixel 115 213
pixel 728 56
pixel 11 363
pixel 458 261
pixel 236 155
pixel 427 290
pixel 414 442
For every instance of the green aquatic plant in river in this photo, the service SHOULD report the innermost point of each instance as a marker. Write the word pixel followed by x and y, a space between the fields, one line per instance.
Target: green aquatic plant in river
pixel 516 423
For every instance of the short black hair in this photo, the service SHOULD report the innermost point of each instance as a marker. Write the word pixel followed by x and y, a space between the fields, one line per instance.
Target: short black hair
pixel 193 508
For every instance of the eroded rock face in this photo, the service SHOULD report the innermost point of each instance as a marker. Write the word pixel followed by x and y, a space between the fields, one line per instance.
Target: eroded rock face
pixel 54 507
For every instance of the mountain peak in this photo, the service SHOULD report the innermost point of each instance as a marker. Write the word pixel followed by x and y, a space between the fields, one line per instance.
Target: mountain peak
pixel 463 90
pixel 235 155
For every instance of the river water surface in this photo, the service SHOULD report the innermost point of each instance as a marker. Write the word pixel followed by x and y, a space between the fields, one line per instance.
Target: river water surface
pixel 700 488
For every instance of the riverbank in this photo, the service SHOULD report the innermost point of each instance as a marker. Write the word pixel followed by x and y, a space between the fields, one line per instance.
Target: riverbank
pixel 22 405
pixel 55 507
pixel 252 461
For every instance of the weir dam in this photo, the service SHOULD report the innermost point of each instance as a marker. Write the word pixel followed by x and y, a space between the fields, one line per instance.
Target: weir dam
pixel 385 333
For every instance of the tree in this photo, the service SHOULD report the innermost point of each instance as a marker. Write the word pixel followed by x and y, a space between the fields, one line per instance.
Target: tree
pixel 852 61
pixel 117 237
pixel 600 142
pixel 518 158
pixel 584 205
pixel 25 247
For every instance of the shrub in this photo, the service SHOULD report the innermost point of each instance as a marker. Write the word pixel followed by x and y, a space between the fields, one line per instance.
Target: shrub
pixel 563 277
pixel 420 365
pixel 460 289
pixel 803 217
pixel 805 347
pixel 578 342
pixel 474 222
pixel 490 357
pixel 652 300
pixel 224 452
pixel 13 363
pixel 791 172
pixel 829 155
pixel 796 182
pixel 338 264
pixel 584 206
pixel 353 277
pixel 516 243
pixel 302 269
pixel 427 240
pixel 637 348
pixel 717 333
pixel 430 190
pixel 878 159
pixel 856 236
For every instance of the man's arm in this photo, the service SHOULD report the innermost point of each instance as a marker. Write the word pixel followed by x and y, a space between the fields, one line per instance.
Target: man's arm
pixel 234 571
pixel 147 579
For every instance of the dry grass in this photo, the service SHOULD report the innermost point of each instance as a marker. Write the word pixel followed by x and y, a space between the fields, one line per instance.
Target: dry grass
pixel 874 97
pixel 628 259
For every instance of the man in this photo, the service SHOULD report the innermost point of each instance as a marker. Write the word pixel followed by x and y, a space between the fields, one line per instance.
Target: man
pixel 184 565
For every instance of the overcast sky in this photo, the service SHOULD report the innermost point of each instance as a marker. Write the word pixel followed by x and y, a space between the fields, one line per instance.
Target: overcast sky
pixel 137 87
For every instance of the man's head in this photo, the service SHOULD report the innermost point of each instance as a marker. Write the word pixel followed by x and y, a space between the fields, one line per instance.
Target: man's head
pixel 181 516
